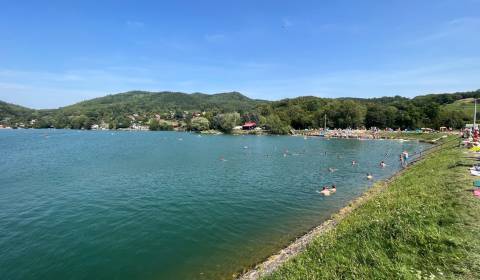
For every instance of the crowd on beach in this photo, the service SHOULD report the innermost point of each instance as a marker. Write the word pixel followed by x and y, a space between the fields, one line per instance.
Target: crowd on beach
pixel 363 133
pixel 470 138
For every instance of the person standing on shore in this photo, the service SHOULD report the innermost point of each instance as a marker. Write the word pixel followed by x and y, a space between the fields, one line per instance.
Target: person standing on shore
pixel 405 158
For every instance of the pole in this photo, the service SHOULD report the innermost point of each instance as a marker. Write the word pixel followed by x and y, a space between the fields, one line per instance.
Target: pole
pixel 325 123
pixel 475 114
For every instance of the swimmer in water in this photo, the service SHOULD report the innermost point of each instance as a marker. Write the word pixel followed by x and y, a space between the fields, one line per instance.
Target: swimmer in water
pixel 333 189
pixel 325 191
pixel 354 162
pixel 332 169
pixel 382 164
pixel 369 176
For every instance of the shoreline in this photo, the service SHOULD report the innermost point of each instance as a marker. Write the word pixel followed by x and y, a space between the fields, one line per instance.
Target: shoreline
pixel 299 244
pixel 391 135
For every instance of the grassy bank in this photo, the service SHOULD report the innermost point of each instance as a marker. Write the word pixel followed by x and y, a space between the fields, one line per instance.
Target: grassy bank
pixel 427 137
pixel 423 225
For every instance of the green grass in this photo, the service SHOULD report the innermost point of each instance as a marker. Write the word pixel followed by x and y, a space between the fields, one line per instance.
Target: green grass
pixel 423 225
pixel 465 105
pixel 413 135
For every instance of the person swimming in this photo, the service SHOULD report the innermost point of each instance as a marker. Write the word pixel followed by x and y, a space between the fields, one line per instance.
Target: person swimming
pixel 333 189
pixel 354 162
pixel 325 191
pixel 369 176
pixel 332 169
pixel 382 164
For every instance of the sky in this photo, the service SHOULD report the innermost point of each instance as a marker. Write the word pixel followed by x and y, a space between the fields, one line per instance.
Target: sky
pixel 55 53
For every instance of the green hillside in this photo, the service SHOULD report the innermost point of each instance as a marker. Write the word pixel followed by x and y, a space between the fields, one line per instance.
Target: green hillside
pixel 167 109
pixel 463 105
pixel 10 113
pixel 144 102
pixel 117 109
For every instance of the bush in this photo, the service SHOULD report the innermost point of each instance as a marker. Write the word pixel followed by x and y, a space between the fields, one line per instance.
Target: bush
pixel 199 124
pixel 159 125
pixel 226 122
pixel 276 126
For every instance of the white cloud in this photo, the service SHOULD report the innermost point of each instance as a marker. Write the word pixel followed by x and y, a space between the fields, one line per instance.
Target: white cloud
pixel 446 76
pixel 53 89
pixel 287 23
pixel 43 97
pixel 455 31
pixel 135 24
pixel 215 38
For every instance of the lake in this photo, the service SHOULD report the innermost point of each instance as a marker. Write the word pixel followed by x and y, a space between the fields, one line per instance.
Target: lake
pixel 168 205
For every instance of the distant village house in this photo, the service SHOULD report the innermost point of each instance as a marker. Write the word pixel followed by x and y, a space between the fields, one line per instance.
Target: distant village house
pixel 249 125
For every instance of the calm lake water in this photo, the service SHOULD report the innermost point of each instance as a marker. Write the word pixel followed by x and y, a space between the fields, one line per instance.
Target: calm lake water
pixel 163 205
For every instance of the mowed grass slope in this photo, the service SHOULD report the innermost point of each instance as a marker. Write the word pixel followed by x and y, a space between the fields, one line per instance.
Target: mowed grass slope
pixel 424 225
pixel 413 135
pixel 465 105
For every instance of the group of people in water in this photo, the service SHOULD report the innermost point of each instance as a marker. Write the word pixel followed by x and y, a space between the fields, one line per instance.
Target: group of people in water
pixel 326 191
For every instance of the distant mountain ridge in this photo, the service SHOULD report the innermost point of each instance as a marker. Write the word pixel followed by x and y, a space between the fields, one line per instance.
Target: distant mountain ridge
pixel 144 101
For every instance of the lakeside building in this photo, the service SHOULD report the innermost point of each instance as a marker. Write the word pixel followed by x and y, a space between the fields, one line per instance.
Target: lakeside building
pixel 102 126
pixel 249 125
pixel 137 126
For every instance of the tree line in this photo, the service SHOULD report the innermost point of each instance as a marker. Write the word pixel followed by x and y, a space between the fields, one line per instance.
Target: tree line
pixel 225 111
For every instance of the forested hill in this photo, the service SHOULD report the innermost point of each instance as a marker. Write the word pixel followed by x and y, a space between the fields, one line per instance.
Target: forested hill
pixel 14 113
pixel 142 108
pixel 117 110
pixel 160 102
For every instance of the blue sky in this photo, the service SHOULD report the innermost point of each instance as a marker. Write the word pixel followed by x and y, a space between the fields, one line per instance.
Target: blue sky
pixel 54 53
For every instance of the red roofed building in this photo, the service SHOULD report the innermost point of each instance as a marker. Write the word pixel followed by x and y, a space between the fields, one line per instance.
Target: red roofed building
pixel 249 125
